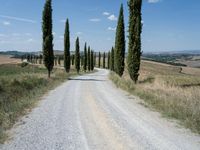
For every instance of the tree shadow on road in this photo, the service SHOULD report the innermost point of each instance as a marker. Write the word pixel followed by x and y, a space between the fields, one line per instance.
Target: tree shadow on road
pixel 86 80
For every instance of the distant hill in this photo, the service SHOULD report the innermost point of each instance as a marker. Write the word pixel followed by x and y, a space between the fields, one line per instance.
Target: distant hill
pixel 190 52
pixel 20 53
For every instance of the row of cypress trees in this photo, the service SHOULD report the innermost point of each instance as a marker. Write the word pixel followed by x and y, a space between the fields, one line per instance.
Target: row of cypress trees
pixel 117 55
pixel 48 54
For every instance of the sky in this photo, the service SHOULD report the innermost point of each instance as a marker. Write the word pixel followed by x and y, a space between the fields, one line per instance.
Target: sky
pixel 168 25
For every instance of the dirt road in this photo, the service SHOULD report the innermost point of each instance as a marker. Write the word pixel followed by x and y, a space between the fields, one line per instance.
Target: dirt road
pixel 89 112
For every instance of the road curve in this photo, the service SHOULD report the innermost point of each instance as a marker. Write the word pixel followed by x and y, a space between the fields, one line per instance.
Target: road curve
pixel 89 113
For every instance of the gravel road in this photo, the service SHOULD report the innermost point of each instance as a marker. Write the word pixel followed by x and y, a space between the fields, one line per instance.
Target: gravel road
pixel 89 113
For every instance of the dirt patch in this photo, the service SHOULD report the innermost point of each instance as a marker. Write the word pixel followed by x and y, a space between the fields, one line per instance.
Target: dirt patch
pixel 6 59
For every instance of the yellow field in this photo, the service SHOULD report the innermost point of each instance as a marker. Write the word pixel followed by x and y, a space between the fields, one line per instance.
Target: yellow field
pixel 5 59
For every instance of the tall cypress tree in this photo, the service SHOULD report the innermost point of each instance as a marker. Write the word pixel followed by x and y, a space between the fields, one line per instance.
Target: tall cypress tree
pixel 48 54
pixel 85 58
pixel 67 47
pixel 135 30
pixel 89 59
pixel 120 44
pixel 112 59
pixel 99 60
pixel 104 60
pixel 92 60
pixel 77 55
pixel 108 62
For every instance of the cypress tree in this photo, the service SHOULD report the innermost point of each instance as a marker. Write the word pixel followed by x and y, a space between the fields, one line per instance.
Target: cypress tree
pixel 92 60
pixel 48 54
pixel 120 44
pixel 40 59
pixel 85 58
pixel 77 55
pixel 89 59
pixel 95 57
pixel 82 61
pixel 104 60
pixel 99 60
pixel 55 61
pixel 108 62
pixel 135 30
pixel 72 59
pixel 67 63
pixel 59 60
pixel 112 59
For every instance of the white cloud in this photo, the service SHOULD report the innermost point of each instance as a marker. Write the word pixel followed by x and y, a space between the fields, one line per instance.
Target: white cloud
pixel 111 29
pixel 2 35
pixel 112 18
pixel 63 21
pixel 106 13
pixel 30 40
pixel 79 33
pixel 15 34
pixel 54 33
pixel 6 23
pixel 95 20
pixel 28 34
pixel 18 19
pixel 61 37
pixel 153 1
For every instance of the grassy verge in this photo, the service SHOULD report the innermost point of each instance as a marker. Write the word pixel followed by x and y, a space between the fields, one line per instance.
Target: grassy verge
pixel 21 88
pixel 164 88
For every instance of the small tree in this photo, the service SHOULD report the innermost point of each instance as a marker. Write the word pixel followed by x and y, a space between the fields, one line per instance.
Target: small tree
pixel 85 58
pixel 112 59
pixel 135 30
pixel 99 60
pixel 95 57
pixel 92 60
pixel 104 60
pixel 77 55
pixel 82 60
pixel 40 59
pixel 72 59
pixel 48 54
pixel 59 63
pixel 67 63
pixel 55 61
pixel 89 59
pixel 120 44
pixel 108 61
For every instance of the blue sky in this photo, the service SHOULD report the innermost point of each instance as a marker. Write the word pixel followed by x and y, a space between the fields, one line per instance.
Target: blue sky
pixel 168 24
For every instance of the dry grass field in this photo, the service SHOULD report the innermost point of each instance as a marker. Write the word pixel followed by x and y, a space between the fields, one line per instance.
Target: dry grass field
pixel 20 89
pixel 173 92
pixel 5 59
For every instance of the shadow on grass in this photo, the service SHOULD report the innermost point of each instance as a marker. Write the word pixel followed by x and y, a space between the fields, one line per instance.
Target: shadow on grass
pixel 189 85
pixel 147 80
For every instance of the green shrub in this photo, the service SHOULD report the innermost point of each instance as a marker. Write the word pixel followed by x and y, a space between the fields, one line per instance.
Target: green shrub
pixel 24 64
